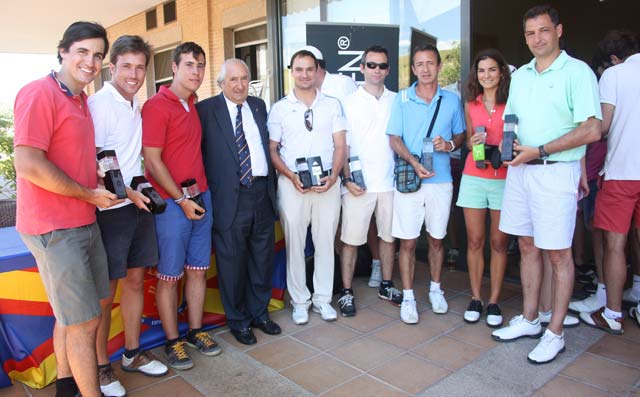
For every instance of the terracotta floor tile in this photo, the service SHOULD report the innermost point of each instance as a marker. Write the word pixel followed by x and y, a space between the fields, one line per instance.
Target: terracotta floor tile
pixel 631 330
pixel 459 303
pixel 387 308
pixel 320 374
pixel 448 352
pixel 507 292
pixel 406 336
pixel 603 373
pixel 282 353
pixel 366 353
pixel 477 334
pixel 618 349
pixel 174 387
pixel 635 393
pixel 439 322
pixel 326 336
pixel 515 303
pixel 364 386
pixel 409 373
pixel 366 320
pixel 365 294
pixel 18 390
pixel 561 386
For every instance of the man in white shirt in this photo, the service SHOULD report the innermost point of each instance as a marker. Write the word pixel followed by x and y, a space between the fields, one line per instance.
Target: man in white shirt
pixel 331 84
pixel 128 229
pixel 307 124
pixel 367 111
pixel 618 201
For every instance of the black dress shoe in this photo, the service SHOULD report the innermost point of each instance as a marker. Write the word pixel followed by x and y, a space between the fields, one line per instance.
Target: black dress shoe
pixel 268 327
pixel 244 336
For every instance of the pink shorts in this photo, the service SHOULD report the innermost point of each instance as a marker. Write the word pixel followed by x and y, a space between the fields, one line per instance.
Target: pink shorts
pixel 617 203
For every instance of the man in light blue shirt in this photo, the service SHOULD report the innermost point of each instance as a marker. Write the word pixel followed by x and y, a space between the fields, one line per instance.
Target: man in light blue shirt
pixel 412 113
pixel 555 98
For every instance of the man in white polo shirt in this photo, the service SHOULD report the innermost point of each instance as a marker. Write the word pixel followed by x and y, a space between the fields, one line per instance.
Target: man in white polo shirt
pixel 618 201
pixel 367 111
pixel 306 124
pixel 128 229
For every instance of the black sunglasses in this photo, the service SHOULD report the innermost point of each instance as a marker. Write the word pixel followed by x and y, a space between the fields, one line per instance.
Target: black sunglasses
pixel 308 119
pixel 373 65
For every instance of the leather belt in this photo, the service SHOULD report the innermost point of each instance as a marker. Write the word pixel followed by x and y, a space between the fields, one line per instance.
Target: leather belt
pixel 541 162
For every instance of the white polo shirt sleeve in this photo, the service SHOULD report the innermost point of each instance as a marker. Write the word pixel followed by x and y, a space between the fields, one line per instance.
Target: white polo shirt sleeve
pixel 339 123
pixel 274 123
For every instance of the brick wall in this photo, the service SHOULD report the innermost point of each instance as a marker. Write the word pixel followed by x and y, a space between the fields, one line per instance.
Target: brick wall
pixel 209 23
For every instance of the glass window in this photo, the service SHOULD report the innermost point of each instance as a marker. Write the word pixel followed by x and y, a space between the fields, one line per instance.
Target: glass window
pixel 411 20
pixel 163 74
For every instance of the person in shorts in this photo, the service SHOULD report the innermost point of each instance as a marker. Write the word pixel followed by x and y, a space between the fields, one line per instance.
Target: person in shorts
pixel 171 139
pixel 482 185
pixel 128 229
pixel 413 111
pixel 367 112
pixel 556 102
pixel 55 161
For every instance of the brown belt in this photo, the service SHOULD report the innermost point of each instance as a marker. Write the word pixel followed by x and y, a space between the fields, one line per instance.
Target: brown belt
pixel 541 162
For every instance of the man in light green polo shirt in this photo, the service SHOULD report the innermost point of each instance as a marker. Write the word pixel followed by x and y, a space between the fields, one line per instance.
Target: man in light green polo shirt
pixel 555 98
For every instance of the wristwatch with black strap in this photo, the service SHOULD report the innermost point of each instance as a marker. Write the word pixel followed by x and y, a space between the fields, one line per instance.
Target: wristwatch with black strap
pixel 543 153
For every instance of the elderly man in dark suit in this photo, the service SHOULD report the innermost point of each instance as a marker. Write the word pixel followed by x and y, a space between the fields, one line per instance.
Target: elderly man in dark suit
pixel 235 148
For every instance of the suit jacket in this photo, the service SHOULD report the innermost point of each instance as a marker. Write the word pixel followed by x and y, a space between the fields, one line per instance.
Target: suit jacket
pixel 220 156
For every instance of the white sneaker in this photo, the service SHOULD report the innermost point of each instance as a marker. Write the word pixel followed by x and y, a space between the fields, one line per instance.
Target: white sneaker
pixel 518 327
pixel 631 295
pixel 326 311
pixel 109 384
pixel 568 322
pixel 548 348
pixel 376 275
pixel 590 304
pixel 300 313
pixel 408 312
pixel 438 303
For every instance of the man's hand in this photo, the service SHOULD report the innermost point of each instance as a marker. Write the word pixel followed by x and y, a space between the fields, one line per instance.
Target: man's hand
pixel 328 182
pixel 138 199
pixel 189 207
pixel 422 172
pixel 440 145
pixel 354 188
pixel 523 154
pixel 297 183
pixel 102 198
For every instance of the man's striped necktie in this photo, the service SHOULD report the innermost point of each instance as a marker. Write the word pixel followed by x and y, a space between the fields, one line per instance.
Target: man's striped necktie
pixel 243 151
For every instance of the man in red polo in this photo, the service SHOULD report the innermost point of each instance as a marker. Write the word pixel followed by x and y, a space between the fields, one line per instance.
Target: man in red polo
pixel 55 162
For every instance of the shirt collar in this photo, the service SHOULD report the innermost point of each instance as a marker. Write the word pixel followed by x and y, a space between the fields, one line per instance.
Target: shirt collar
pixel 413 95
pixel 166 92
pixel 558 63
pixel 293 99
pixel 232 106
pixel 366 94
pixel 62 86
pixel 118 96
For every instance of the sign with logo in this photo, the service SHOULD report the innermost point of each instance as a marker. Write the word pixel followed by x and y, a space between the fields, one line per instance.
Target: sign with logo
pixel 342 46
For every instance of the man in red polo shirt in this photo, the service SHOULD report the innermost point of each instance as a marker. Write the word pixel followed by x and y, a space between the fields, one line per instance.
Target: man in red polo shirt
pixel 171 136
pixel 55 162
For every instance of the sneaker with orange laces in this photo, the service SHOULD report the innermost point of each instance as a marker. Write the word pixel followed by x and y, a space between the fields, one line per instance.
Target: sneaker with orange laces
pixel 177 356
pixel 203 342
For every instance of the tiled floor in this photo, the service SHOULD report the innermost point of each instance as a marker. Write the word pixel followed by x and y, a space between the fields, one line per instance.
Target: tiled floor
pixel 375 354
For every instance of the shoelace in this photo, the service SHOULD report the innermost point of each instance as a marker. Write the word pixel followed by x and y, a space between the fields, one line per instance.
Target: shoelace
pixel 180 352
pixel 345 300
pixel 204 338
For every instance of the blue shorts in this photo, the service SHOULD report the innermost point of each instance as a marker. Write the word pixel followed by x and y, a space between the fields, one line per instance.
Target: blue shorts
pixel 183 243
pixel 476 192
pixel 588 204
